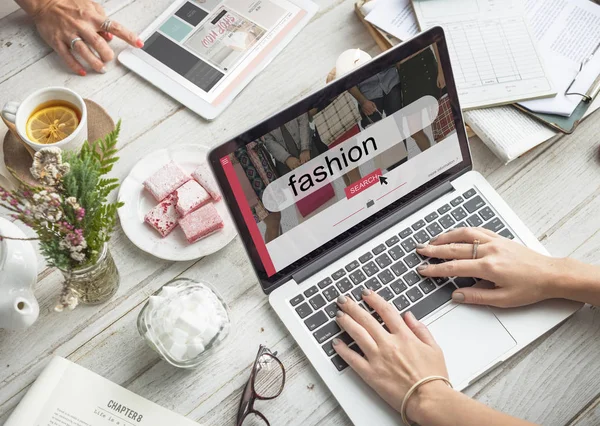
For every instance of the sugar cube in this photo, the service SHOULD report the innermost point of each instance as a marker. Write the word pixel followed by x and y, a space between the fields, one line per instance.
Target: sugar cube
pixel 179 336
pixel 201 223
pixel 191 323
pixel 195 348
pixel 166 180
pixel 205 178
pixel 163 217
pixel 178 350
pixel 190 196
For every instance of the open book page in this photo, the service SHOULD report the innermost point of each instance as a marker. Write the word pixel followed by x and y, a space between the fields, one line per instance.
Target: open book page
pixel 568 32
pixel 67 394
pixel 494 56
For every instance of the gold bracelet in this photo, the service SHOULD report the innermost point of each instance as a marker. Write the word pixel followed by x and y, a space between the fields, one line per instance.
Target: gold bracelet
pixel 413 389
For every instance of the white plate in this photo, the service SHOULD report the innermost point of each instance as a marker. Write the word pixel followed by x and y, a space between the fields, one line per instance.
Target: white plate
pixel 138 202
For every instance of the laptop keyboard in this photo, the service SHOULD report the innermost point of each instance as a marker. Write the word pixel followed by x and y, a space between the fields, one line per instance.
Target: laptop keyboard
pixel 389 270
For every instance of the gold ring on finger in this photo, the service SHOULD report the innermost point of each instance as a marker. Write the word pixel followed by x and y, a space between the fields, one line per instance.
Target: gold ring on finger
pixel 475 247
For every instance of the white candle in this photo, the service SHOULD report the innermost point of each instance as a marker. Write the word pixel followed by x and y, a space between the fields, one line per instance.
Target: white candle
pixel 349 60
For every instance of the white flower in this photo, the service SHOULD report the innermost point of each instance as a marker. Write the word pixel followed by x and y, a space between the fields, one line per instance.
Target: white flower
pixel 48 167
pixel 78 256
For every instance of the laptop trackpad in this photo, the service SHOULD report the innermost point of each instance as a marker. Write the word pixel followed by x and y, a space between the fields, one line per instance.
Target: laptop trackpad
pixel 471 338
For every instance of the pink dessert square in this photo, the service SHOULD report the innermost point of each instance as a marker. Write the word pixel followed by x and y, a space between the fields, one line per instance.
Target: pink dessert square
pixel 205 178
pixel 201 223
pixel 163 217
pixel 166 180
pixel 190 196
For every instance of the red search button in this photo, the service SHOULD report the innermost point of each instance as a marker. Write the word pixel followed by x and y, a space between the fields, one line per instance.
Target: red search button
pixel 366 182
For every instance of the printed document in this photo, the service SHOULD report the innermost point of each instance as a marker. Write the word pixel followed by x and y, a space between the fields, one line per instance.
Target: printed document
pixel 395 17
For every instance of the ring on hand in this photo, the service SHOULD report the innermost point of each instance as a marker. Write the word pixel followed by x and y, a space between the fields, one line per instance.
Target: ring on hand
pixel 106 26
pixel 475 247
pixel 75 40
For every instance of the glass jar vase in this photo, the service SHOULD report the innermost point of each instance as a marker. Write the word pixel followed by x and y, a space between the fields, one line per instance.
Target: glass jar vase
pixel 95 283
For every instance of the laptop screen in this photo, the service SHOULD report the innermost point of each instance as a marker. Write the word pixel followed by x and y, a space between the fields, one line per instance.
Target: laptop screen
pixel 342 160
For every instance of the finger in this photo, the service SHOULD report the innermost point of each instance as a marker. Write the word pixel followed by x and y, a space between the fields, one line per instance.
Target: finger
pixel 87 55
pixel 463 235
pixel 482 293
pixel 66 55
pixel 420 330
pixel 98 43
pixel 355 320
pixel 450 251
pixel 126 35
pixel 453 268
pixel 352 358
pixel 387 312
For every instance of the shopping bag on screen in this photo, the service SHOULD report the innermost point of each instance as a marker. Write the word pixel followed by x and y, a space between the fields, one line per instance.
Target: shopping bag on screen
pixel 337 118
pixel 444 122
pixel 313 201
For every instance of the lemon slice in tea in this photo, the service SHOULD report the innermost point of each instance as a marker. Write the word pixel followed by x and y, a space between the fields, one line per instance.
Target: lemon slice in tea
pixel 51 125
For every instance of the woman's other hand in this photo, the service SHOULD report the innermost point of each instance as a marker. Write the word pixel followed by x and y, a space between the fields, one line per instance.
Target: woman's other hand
pixel 304 156
pixel 395 360
pixel 61 21
pixel 368 107
pixel 292 162
pixel 520 275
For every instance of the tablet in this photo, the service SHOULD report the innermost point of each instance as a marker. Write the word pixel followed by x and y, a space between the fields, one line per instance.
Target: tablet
pixel 204 52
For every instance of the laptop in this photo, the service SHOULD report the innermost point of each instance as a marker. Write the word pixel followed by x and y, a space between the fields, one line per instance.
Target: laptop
pixel 351 214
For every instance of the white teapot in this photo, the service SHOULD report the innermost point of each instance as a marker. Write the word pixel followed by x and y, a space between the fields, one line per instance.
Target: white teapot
pixel 18 273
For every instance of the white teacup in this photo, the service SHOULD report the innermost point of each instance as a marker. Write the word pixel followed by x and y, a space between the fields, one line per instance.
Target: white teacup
pixel 16 114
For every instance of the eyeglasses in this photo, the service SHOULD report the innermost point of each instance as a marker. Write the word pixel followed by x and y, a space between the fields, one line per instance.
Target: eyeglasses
pixel 266 382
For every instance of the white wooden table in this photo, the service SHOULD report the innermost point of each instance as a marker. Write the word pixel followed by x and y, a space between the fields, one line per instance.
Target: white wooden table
pixel 555 189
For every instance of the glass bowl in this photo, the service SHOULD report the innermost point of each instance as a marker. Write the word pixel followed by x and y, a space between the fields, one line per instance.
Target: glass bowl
pixel 184 321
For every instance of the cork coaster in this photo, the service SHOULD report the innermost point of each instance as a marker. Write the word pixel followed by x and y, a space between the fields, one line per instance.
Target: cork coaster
pixel 18 158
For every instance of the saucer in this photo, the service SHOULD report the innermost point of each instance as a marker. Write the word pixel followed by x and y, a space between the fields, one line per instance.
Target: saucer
pixel 18 158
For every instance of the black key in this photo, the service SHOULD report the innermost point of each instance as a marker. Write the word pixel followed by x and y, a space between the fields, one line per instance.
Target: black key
pixel 294 301
pixel 339 363
pixel 366 257
pixel 379 249
pixel 330 293
pixel 461 225
pixel 373 284
pixel 405 233
pixel 383 261
pixel 311 291
pixel 377 317
pixel 447 221
pixel 432 302
pixel 440 280
pixel 474 220
pixel 370 268
pixel 401 302
pixel 399 268
pixel 411 278
pixel 444 209
pixel 469 193
pixel 386 276
pixel 427 286
pixel 391 241
pixel 357 277
pixel 386 293
pixel 332 309
pixel 317 320
pixel 358 350
pixel 435 260
pixel 421 237
pixel 431 217
pixel 328 347
pixel 494 225
pixel 324 283
pixel 412 260
pixel 398 286
pixel 338 274
pixel 464 282
pixel 434 229
pixel 409 245
pixel 474 204
pixel 352 265
pixel 418 225
pixel 507 234
pixel 414 294
pixel 344 285
pixel 327 331
pixel 357 293
pixel 396 252
pixel 365 307
pixel 317 302
pixel 459 214
pixel 304 310
pixel 456 201
pixel 486 213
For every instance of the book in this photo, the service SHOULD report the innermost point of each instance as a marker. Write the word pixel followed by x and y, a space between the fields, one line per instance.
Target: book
pixel 67 394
